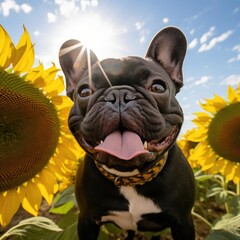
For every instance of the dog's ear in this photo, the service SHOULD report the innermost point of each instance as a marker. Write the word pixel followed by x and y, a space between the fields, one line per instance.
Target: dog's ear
pixel 75 59
pixel 168 48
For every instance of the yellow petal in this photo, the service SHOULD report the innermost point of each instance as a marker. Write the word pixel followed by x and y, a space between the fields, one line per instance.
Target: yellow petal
pixel 236 178
pixel 217 167
pixel 50 74
pixel 219 102
pixel 230 170
pixel 11 203
pixel 55 87
pixel 48 195
pixel 208 162
pixel 232 95
pixel 202 116
pixel 203 119
pixel 57 100
pixel 214 105
pixel 199 151
pixel 208 108
pixel 32 200
pixel 35 76
pixel 1 210
pixel 66 152
pixel 21 190
pixel 6 49
pixel 197 135
pixel 24 54
pixel 49 180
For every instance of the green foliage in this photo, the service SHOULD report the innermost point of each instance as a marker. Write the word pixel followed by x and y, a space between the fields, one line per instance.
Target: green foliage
pixel 64 201
pixel 221 235
pixel 35 228
pixel 68 224
pixel 215 188
pixel 234 205
pixel 110 231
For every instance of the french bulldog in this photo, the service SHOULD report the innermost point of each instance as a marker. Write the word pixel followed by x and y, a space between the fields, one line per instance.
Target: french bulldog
pixel 127 119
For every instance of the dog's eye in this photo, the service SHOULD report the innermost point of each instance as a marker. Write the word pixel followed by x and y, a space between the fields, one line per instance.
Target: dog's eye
pixel 84 91
pixel 158 87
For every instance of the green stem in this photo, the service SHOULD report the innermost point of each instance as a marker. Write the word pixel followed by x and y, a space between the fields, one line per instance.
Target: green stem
pixel 201 218
pixel 238 188
pixel 227 207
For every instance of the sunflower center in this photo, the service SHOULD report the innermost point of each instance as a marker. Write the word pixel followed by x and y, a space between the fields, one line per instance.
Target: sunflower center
pixel 224 133
pixel 29 130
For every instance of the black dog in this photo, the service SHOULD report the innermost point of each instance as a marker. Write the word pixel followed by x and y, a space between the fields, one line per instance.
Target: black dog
pixel 126 117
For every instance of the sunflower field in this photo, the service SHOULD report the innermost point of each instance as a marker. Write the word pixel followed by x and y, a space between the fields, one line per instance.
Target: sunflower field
pixel 39 157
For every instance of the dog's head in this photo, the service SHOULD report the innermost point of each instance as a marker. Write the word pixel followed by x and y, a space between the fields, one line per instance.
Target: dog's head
pixel 125 112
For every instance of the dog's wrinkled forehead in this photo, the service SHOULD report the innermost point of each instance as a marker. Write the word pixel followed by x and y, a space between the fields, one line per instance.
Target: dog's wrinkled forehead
pixel 126 71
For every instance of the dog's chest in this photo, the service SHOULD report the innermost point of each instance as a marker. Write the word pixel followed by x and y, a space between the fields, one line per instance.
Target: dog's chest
pixel 138 205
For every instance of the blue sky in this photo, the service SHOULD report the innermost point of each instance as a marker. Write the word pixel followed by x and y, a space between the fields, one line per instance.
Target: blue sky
pixel 118 28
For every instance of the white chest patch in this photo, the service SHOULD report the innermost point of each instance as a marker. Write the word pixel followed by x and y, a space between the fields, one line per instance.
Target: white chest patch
pixel 138 205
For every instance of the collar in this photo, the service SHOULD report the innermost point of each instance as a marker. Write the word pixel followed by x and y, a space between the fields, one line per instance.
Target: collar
pixel 134 179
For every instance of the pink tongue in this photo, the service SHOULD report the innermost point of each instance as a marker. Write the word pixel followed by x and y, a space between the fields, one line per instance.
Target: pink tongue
pixel 126 145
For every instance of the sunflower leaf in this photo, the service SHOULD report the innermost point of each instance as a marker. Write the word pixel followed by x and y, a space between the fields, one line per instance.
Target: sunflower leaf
pixel 32 228
pixel 227 227
pixel 234 225
pixel 66 196
pixel 63 209
pixel 203 177
pixel 222 235
pixel 64 201
pixel 234 204
pixel 68 223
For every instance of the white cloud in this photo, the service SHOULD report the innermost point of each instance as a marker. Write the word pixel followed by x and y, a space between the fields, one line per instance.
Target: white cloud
pixel 143 32
pixel 236 48
pixel 139 25
pixel 68 8
pixel 26 8
pixel 232 80
pixel 10 5
pixel 207 35
pixel 193 43
pixel 189 79
pixel 51 17
pixel 215 41
pixel 88 3
pixel 237 58
pixel 165 20
pixel 142 39
pixel 192 31
pixel 234 59
pixel 203 80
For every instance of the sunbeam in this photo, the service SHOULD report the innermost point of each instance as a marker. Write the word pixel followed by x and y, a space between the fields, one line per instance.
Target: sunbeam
pixel 104 73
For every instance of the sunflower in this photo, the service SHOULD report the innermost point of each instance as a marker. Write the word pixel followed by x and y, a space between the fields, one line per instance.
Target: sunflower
pixel 37 152
pixel 214 144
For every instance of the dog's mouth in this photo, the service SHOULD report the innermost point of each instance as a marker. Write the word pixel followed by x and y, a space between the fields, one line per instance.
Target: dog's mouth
pixel 128 145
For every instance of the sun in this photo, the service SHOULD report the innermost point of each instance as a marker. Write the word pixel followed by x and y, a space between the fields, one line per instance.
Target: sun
pixel 93 32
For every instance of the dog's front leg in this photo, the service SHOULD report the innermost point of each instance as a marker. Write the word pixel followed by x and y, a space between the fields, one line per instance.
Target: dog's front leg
pixel 184 230
pixel 88 229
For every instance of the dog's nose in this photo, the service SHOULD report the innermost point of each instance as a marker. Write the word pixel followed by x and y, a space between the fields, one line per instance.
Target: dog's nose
pixel 120 96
